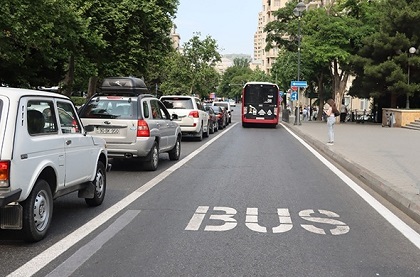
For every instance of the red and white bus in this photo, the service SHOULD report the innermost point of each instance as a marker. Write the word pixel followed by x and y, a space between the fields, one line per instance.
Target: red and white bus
pixel 260 104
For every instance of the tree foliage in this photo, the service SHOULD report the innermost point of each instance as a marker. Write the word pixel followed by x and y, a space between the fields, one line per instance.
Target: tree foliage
pixel 192 71
pixel 72 40
pixel 383 63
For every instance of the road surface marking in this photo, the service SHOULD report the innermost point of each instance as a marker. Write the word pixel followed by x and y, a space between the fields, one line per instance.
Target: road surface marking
pixel 47 256
pixel 69 266
pixel 400 225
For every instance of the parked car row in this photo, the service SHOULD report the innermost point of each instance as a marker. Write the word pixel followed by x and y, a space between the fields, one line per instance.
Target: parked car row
pixel 122 121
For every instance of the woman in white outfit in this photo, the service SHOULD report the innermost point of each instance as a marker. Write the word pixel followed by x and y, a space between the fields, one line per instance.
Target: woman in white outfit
pixel 331 111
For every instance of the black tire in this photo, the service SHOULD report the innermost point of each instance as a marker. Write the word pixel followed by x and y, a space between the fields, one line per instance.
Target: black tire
pixel 175 152
pixel 152 160
pixel 37 212
pixel 200 133
pixel 100 186
pixel 216 126
pixel 207 133
pixel 212 127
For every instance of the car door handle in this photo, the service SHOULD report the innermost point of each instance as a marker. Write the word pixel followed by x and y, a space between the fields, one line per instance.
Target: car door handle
pixel 68 142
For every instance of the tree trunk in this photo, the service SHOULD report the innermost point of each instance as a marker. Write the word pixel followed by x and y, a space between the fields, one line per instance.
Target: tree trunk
pixel 340 82
pixel 393 100
pixel 69 78
pixel 92 85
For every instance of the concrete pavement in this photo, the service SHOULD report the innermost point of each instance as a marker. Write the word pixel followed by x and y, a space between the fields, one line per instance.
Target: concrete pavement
pixel 386 159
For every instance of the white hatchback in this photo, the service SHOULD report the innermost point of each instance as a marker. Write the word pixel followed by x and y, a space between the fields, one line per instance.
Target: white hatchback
pixel 44 153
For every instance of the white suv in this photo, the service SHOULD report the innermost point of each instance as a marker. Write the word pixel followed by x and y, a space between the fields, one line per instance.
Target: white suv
pixel 135 124
pixel 192 117
pixel 44 153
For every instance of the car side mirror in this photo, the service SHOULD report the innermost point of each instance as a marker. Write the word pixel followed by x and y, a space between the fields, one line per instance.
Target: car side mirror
pixel 89 128
pixel 174 116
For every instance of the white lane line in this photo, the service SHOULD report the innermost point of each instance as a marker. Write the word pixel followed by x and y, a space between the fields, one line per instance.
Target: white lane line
pixel 70 265
pixel 48 255
pixel 400 225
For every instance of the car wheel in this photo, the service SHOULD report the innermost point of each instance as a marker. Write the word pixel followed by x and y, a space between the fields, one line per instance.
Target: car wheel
pixel 211 127
pixel 207 133
pixel 200 133
pixel 100 186
pixel 37 212
pixel 175 152
pixel 152 162
pixel 216 126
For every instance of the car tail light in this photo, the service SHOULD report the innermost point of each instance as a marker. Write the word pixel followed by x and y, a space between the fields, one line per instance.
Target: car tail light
pixel 194 114
pixel 143 129
pixel 4 173
pixel 74 123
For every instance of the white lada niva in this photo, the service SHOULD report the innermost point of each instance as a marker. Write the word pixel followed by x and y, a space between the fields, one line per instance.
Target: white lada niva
pixel 45 153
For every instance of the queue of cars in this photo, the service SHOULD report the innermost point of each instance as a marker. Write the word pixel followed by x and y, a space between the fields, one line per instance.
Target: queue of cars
pixel 122 121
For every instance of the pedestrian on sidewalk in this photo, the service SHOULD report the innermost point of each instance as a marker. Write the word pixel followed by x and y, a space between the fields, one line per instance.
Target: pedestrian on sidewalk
pixel 331 112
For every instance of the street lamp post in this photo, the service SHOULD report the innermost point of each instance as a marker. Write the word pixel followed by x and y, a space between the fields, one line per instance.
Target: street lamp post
pixel 411 51
pixel 297 11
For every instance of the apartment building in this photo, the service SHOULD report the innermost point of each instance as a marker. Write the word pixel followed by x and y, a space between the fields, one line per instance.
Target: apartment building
pixel 264 60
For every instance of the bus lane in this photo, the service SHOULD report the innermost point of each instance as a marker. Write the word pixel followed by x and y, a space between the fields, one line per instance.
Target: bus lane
pixel 254 202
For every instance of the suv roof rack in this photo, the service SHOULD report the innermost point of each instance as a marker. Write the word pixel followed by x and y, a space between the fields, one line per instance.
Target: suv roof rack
pixel 123 85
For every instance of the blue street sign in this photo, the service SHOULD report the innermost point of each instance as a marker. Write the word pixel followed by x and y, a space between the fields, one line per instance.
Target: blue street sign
pixel 301 84
pixel 294 96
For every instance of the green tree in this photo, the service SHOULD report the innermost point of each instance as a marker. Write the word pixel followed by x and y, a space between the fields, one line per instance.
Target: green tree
pixel 136 34
pixel 192 72
pixel 382 64
pixel 36 41
pixel 234 78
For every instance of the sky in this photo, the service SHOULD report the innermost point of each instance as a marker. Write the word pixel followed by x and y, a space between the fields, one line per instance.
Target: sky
pixel 232 23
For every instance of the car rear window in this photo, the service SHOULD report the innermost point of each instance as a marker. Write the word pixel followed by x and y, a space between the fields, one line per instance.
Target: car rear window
pixel 110 107
pixel 178 103
pixel 217 109
pixel 221 104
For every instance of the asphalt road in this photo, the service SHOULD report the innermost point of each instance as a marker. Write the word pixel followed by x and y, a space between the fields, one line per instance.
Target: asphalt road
pixel 244 202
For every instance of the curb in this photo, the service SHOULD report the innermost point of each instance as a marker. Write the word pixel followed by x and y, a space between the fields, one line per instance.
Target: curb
pixel 372 180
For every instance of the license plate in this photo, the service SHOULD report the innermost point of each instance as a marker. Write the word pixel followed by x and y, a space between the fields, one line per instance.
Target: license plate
pixel 108 131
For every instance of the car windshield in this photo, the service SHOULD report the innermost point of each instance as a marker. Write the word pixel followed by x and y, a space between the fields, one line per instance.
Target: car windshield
pixel 217 109
pixel 110 107
pixel 178 103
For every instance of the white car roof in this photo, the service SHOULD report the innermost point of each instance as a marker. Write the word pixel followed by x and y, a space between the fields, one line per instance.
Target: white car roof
pixel 16 93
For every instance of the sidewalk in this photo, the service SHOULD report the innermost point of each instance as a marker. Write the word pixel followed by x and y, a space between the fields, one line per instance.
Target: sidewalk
pixel 386 159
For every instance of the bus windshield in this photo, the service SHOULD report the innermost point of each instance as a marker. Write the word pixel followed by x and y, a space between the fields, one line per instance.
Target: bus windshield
pixel 260 101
